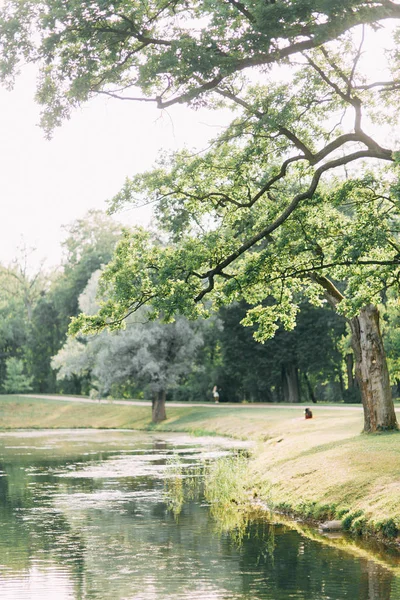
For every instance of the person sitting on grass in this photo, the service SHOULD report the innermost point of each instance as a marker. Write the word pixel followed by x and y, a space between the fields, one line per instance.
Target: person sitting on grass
pixel 308 413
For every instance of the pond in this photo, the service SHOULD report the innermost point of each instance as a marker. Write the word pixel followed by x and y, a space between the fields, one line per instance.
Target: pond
pixel 83 515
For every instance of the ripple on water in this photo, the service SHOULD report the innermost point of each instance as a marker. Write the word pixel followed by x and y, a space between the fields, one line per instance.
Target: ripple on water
pixel 87 521
pixel 103 499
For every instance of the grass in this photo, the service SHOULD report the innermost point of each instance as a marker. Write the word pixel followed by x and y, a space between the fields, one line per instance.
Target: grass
pixel 319 468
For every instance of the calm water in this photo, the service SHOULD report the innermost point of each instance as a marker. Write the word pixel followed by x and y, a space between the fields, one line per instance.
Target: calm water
pixel 82 516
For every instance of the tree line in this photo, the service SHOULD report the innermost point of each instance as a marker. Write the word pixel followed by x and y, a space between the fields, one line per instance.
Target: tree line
pixel 182 360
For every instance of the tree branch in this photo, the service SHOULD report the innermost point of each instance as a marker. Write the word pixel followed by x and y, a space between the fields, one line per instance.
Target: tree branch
pixel 241 8
pixel 326 33
pixel 285 214
pixel 332 294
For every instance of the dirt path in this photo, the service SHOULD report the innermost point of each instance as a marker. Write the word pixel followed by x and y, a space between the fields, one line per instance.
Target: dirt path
pixel 192 404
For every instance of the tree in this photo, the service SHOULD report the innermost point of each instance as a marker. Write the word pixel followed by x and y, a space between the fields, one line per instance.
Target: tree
pixel 392 340
pixel 36 306
pixel 16 380
pixel 262 182
pixel 319 238
pixel 175 51
pixel 89 245
pixel 13 330
pixel 156 356
pixel 287 367
pixel 43 338
pixel 153 356
pixel 21 291
pixel 18 281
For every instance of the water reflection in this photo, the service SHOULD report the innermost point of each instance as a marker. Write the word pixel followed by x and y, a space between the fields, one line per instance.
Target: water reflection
pixel 82 515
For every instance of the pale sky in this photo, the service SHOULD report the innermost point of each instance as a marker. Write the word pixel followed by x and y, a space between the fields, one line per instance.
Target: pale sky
pixel 46 184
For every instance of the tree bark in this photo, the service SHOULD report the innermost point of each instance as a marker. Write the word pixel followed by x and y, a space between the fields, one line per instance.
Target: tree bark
pixel 290 381
pixel 371 371
pixel 349 370
pixel 310 389
pixel 158 407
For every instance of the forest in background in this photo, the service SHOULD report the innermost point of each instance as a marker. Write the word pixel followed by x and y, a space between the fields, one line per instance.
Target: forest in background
pixel 184 359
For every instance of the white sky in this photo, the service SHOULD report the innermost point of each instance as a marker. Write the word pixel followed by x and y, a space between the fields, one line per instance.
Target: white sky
pixel 47 184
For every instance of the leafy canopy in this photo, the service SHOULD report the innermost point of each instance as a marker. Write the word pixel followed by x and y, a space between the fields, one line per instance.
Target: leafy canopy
pixel 282 205
pixel 173 51
pixel 265 214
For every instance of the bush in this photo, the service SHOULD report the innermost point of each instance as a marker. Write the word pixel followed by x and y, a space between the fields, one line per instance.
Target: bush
pixel 388 528
pixel 350 518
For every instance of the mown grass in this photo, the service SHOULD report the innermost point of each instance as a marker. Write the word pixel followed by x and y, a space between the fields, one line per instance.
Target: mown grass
pixel 319 468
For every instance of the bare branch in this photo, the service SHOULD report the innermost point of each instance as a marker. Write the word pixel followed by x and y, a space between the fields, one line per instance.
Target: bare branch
pixel 356 60
pixel 332 294
pixel 334 66
pixel 394 84
pixel 132 98
pixel 298 143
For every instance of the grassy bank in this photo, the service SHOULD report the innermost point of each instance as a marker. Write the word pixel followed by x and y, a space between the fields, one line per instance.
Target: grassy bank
pixel 319 468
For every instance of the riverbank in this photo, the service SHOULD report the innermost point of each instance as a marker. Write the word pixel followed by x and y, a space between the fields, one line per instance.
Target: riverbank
pixel 321 468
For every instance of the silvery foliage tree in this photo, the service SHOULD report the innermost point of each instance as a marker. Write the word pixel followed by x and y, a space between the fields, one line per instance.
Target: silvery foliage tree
pixel 155 355
pixel 278 231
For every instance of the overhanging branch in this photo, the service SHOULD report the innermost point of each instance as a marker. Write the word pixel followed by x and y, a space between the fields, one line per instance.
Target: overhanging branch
pixel 326 33
pixel 285 214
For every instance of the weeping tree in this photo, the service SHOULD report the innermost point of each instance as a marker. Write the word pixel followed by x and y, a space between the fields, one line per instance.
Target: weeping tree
pixel 267 214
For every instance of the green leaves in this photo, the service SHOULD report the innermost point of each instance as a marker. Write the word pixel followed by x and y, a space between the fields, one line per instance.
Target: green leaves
pixel 228 234
pixel 258 215
pixel 174 52
pixel 16 380
pixel 142 272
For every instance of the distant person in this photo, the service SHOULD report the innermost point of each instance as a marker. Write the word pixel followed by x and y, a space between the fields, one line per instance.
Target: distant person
pixel 215 394
pixel 308 413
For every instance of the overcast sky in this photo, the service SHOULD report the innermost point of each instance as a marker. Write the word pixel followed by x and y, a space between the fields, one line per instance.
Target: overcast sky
pixel 46 184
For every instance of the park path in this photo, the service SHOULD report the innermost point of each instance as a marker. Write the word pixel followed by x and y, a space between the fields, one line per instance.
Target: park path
pixel 210 404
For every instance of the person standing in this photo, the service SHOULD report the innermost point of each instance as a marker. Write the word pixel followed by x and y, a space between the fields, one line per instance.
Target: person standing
pixel 215 394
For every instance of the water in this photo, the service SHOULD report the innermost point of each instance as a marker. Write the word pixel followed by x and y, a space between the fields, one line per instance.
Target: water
pixel 83 516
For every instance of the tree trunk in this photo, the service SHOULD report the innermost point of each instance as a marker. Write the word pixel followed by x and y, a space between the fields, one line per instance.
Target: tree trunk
pixel 310 389
pixel 371 371
pixel 349 370
pixel 158 407
pixel 290 381
pixel 341 382
pixel 376 582
pixel 370 362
